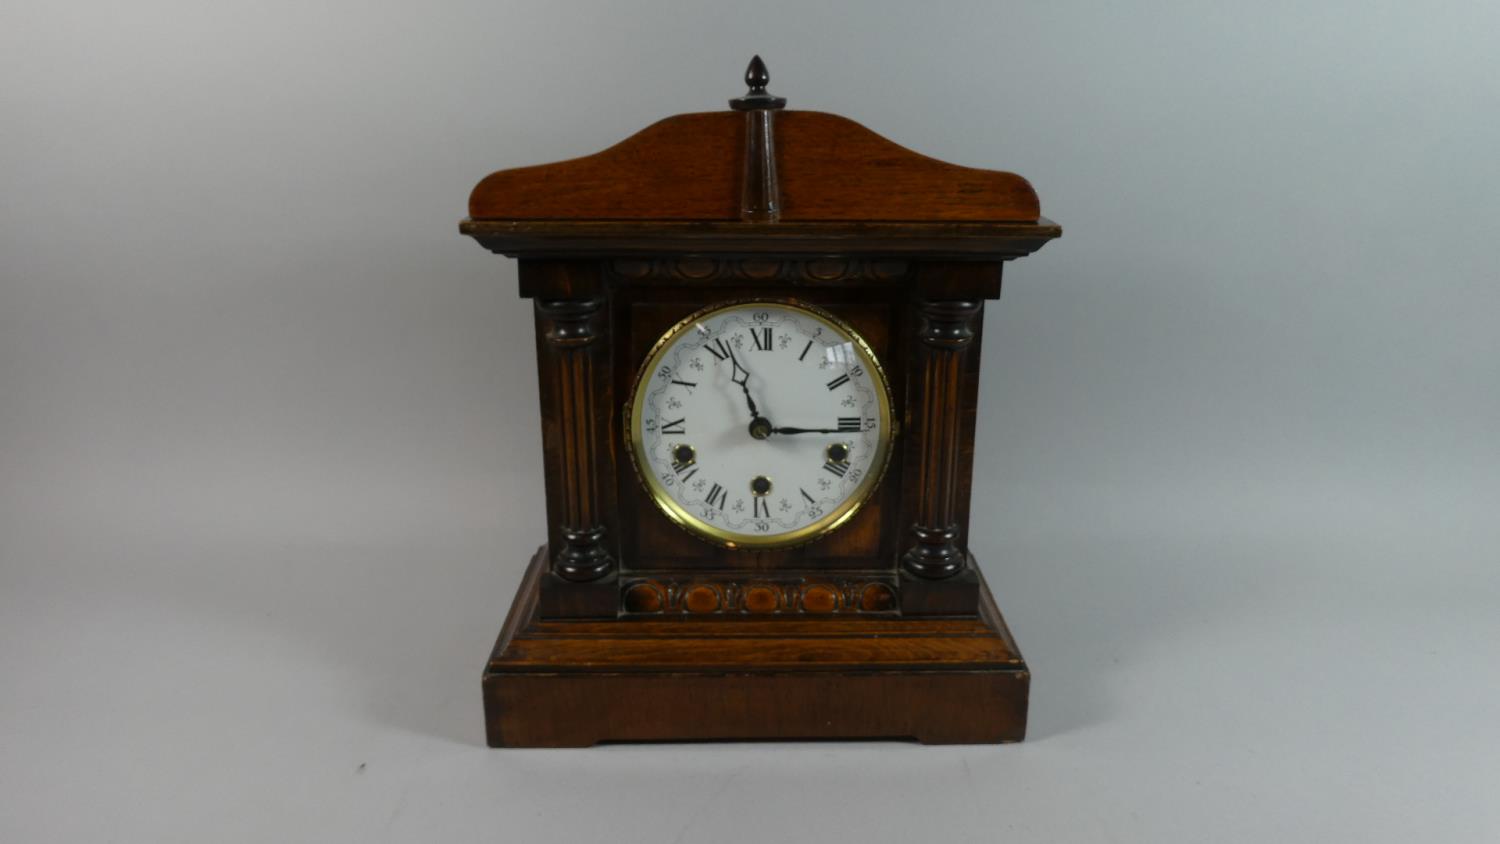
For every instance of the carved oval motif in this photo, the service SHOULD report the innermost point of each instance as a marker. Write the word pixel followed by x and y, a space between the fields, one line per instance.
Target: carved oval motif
pixel 643 597
pixel 762 598
pixel 820 599
pixel 758 597
pixel 760 270
pixel 827 269
pixel 632 268
pixel 877 597
pixel 701 599
pixel 697 267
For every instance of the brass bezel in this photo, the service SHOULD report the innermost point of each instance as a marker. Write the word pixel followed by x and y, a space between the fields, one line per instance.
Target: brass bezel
pixel 680 516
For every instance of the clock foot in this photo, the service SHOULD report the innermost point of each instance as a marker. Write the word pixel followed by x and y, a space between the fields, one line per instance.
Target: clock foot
pixel 573 683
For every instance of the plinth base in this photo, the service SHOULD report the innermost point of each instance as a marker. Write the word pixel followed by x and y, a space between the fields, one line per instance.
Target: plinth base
pixel 560 683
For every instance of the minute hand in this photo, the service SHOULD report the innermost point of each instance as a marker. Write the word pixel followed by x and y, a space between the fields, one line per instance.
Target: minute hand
pixel 806 431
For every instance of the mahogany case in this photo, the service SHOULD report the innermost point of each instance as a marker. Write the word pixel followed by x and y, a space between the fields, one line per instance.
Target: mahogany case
pixel 628 628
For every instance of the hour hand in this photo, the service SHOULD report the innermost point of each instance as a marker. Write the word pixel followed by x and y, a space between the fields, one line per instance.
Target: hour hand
pixel 807 431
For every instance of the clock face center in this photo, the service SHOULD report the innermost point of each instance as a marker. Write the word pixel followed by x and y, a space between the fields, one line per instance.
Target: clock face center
pixel 760 428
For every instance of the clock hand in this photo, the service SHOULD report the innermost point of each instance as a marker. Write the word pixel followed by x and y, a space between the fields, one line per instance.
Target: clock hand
pixel 744 384
pixel 807 431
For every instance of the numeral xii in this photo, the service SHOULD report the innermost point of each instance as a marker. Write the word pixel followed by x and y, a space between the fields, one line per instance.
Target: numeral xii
pixel 761 337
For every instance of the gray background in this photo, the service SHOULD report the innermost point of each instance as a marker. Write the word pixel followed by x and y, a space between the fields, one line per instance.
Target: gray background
pixel 268 441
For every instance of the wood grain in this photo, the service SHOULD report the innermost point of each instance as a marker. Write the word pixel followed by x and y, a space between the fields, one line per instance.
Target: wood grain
pixel 947 329
pixel 649 238
pixel 689 167
pixel 576 683
pixel 631 629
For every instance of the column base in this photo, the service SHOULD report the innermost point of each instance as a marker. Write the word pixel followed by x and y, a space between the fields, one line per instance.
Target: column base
pixel 958 594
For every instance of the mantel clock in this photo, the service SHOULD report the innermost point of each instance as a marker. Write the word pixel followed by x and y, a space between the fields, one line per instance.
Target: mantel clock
pixel 758 353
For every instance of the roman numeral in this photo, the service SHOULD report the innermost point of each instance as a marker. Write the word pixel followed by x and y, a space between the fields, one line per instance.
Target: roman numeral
pixel 804 350
pixel 810 499
pixel 762 509
pixel 848 423
pixel 717 496
pixel 718 349
pixel 838 382
pixel 761 337
pixel 677 427
pixel 689 384
pixel 836 468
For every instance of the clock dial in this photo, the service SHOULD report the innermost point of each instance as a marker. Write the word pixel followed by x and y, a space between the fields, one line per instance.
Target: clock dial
pixel 761 424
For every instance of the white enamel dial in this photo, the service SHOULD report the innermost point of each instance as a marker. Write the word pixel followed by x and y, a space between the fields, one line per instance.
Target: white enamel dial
pixel 761 424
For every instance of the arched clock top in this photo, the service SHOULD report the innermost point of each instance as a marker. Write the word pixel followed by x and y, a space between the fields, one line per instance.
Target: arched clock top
pixel 689 167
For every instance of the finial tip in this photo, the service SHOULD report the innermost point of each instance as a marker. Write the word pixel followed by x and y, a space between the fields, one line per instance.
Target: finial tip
pixel 757 77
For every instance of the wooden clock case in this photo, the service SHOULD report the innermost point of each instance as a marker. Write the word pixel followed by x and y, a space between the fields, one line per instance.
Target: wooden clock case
pixel 628 628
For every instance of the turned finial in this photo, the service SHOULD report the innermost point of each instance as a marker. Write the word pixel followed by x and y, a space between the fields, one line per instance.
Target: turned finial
pixel 757 77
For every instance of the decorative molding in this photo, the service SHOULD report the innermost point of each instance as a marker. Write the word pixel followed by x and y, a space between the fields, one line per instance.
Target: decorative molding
pixel 948 324
pixel 759 270
pixel 759 596
pixel 760 191
pixel 569 322
pixel 571 327
pixel 946 332
pixel 584 555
